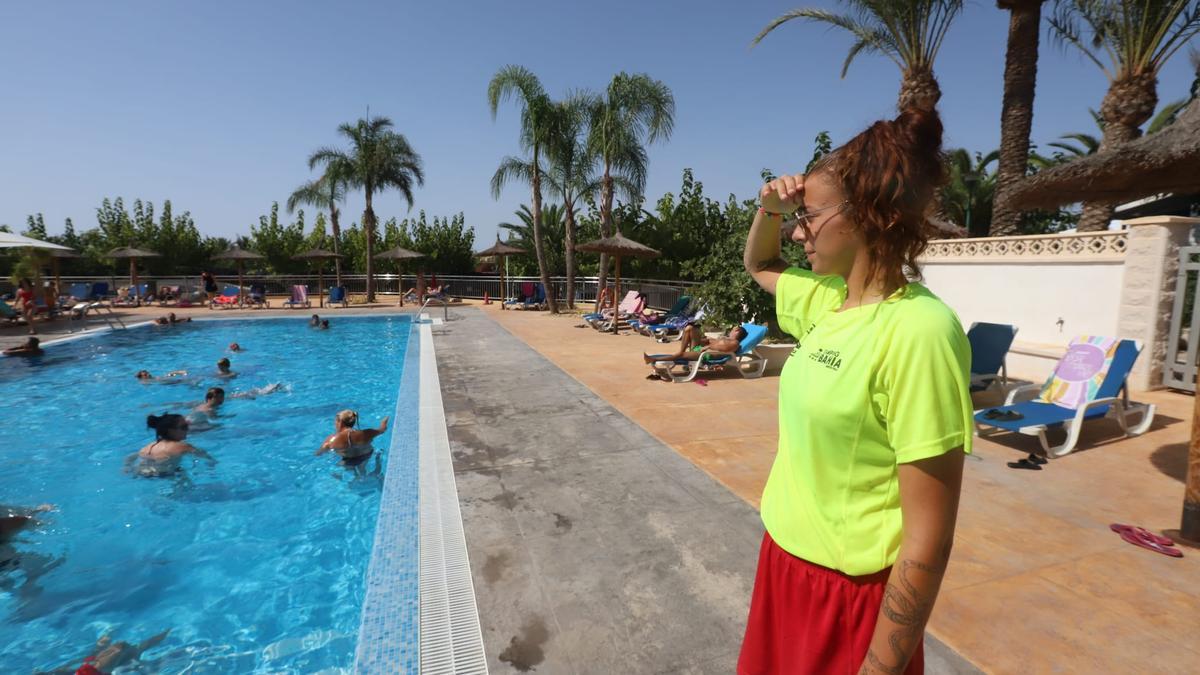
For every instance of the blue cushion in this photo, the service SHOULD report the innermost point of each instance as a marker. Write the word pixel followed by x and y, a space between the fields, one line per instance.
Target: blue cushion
pixel 1036 413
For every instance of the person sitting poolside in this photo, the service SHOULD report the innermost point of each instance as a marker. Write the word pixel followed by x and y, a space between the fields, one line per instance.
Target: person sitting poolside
pixel 353 445
pixel 314 322
pixel 106 656
pixel 29 348
pixel 695 343
pixel 223 369
pixel 162 457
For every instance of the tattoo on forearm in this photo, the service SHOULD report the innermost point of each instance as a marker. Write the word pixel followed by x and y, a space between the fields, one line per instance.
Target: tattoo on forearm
pixel 767 264
pixel 909 608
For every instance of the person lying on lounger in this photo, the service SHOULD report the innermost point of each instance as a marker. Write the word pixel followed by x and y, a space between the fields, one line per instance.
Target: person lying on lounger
pixel 694 343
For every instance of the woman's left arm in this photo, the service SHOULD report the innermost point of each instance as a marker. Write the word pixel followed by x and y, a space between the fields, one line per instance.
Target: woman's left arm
pixel 929 490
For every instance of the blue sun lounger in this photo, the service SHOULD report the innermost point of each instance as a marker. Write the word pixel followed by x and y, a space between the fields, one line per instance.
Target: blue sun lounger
pixel 1035 418
pixel 749 363
pixel 677 310
pixel 337 296
pixel 990 343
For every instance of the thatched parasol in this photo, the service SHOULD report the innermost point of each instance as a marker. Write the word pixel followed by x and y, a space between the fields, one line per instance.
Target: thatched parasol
pixel 1168 161
pixel 500 250
pixel 241 256
pixel 319 254
pixel 134 254
pixel 56 255
pixel 399 254
pixel 619 247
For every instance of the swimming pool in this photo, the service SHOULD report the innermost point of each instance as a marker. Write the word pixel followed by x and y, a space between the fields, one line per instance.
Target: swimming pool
pixel 255 564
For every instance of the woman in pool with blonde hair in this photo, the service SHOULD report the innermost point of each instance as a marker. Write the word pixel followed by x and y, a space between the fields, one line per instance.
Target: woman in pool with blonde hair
pixel 353 445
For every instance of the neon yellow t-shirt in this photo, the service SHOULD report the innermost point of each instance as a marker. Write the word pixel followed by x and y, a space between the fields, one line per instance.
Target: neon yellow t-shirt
pixel 865 390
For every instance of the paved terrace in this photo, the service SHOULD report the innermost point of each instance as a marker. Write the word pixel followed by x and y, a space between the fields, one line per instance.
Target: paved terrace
pixel 1037 583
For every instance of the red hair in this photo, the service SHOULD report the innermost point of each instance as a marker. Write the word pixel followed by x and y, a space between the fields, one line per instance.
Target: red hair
pixel 889 175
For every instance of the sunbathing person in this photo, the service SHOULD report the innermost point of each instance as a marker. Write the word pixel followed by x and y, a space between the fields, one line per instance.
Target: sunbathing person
pixel 162 457
pixel 107 656
pixel 29 348
pixel 694 343
pixel 223 369
pixel 353 445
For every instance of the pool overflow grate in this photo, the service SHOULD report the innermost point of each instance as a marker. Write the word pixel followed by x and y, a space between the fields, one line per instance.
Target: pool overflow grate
pixel 451 640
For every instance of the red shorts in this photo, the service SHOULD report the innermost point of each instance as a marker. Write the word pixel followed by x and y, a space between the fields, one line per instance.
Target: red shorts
pixel 805 618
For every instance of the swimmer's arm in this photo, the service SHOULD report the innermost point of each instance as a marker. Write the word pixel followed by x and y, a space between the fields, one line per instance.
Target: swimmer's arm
pixel 326 446
pixel 372 433
pixel 202 454
pixel 129 460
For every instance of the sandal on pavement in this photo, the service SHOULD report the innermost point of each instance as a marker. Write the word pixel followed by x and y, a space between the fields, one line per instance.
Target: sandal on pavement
pixel 1132 536
pixel 1141 532
pixel 1024 463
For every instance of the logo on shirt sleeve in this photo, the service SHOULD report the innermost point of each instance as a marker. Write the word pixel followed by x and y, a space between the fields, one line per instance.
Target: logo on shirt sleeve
pixel 830 358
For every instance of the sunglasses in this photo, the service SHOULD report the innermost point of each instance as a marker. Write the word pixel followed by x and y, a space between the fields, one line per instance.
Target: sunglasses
pixel 806 218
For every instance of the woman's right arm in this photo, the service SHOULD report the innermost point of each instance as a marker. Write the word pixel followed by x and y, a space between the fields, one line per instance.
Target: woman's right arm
pixel 762 257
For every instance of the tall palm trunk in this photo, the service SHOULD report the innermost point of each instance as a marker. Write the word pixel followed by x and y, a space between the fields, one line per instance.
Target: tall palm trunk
pixel 606 200
pixel 569 254
pixel 919 89
pixel 538 247
pixel 1130 101
pixel 1016 111
pixel 369 225
pixel 337 238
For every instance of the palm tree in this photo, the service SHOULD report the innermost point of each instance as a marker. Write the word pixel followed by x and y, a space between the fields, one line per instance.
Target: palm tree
pixel 553 234
pixel 908 32
pixel 323 193
pixel 968 196
pixel 1016 110
pixel 634 111
pixel 571 170
pixel 1130 40
pixel 378 159
pixel 536 114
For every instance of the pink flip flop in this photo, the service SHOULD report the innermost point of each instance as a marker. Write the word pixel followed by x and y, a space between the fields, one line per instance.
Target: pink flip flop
pixel 1141 532
pixel 702 383
pixel 1131 536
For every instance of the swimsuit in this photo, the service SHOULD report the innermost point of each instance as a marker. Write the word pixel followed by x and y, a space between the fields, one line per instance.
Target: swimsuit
pixel 355 460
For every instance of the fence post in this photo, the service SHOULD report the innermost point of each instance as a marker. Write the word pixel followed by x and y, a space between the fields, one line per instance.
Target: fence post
pixel 1148 291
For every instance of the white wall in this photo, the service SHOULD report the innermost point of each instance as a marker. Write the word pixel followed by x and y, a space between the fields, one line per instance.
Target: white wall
pixel 1032 296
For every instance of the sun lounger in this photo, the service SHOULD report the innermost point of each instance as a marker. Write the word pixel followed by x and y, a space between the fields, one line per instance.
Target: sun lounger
pixel 227 298
pixel 749 363
pixel 134 296
pixel 653 319
pixel 672 330
pixel 627 305
pixel 258 296
pixel 990 343
pixel 337 296
pixel 10 314
pixel 299 297
pixel 1088 383
pixel 622 319
pixel 526 292
pixel 535 301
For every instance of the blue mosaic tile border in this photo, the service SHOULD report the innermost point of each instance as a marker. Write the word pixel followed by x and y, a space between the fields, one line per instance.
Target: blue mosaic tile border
pixel 388 634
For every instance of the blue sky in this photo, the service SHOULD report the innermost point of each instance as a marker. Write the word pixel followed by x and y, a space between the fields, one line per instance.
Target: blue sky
pixel 217 105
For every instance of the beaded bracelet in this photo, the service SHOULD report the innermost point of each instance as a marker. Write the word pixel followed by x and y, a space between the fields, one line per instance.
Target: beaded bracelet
pixel 770 213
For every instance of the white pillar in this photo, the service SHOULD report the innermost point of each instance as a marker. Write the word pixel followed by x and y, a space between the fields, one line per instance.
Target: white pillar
pixel 1148 291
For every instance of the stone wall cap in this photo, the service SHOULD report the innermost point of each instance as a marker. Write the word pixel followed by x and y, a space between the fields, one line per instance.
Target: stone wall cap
pixel 1161 220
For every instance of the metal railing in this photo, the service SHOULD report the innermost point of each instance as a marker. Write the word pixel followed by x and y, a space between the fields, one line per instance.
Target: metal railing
pixel 660 294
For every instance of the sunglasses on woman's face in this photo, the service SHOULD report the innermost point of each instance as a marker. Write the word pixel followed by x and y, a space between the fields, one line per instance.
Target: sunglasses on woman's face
pixel 807 218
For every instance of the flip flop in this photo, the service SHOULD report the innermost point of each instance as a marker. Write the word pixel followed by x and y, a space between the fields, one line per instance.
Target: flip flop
pixel 1003 415
pixel 1132 537
pixel 1024 464
pixel 1141 532
pixel 702 383
pixel 1036 459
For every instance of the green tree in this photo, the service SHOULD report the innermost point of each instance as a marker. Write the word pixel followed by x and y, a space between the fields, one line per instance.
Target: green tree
pixel 1130 41
pixel 35 226
pixel 632 112
pixel 378 159
pixel 323 193
pixel 571 171
pixel 907 32
pixel 535 129
pixel 553 232
pixel 448 244
pixel 967 197
pixel 278 242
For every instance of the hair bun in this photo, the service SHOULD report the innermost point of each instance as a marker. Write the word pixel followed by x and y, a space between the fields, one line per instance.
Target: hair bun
pixel 152 421
pixel 920 129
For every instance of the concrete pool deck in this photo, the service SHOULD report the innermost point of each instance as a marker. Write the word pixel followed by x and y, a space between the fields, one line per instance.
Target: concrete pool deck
pixel 1037 582
pixel 595 548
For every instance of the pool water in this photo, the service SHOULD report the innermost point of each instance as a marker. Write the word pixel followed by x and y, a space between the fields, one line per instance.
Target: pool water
pixel 255 564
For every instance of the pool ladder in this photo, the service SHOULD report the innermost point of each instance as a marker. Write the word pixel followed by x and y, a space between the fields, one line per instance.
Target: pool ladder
pixel 445 307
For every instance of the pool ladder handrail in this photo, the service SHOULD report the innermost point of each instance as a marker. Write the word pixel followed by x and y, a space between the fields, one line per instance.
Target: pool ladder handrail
pixel 445 307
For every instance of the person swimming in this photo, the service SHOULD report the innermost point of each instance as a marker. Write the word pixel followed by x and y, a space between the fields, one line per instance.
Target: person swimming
pixel 173 377
pixel 235 347
pixel 353 445
pixel 30 347
pixel 314 322
pixel 204 414
pixel 107 656
pixel 162 457
pixel 223 369
pixel 324 324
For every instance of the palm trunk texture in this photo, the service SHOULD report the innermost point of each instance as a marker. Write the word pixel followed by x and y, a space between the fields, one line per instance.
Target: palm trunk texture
pixel 538 247
pixel 606 199
pixel 1128 104
pixel 1016 111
